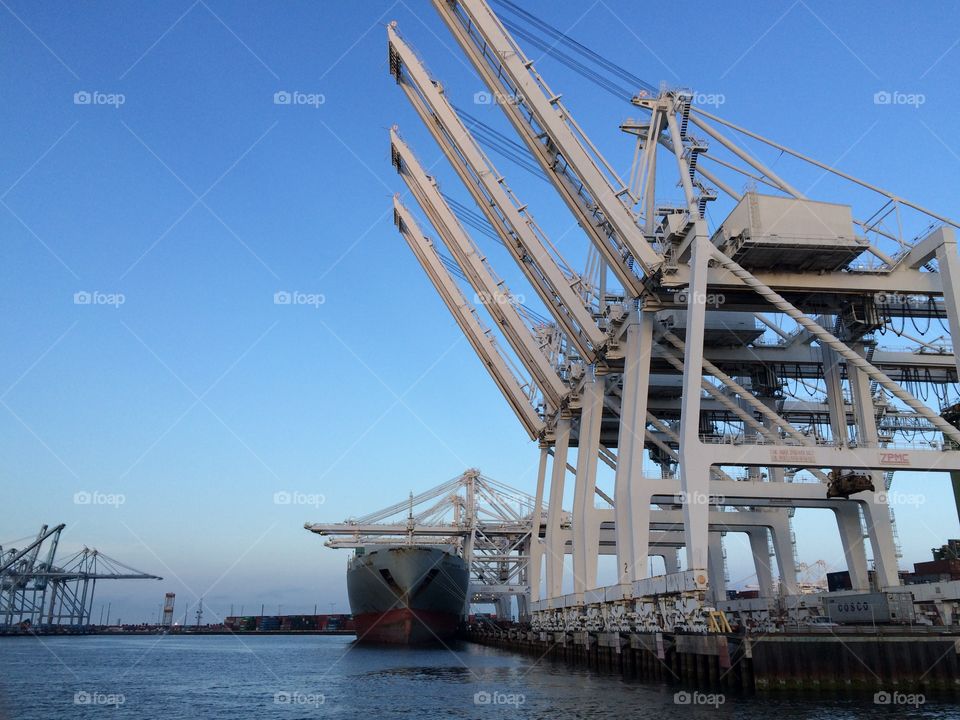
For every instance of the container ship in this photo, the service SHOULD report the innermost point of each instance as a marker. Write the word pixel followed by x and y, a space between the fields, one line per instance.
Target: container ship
pixel 406 594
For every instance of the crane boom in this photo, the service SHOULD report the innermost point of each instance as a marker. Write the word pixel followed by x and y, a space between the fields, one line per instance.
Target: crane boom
pixel 515 227
pixel 493 292
pixel 568 158
pixel 465 314
pixel 34 546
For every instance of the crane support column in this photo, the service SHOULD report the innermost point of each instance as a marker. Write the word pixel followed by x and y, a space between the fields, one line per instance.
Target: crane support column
pixel 760 549
pixel 851 539
pixel 835 401
pixel 693 467
pixel 876 510
pixel 586 525
pixel 783 549
pixel 774 473
pixel 716 570
pixel 876 513
pixel 554 535
pixel 949 265
pixel 631 505
pixel 536 545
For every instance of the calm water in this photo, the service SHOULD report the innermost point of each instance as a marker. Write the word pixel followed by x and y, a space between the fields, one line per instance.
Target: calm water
pixel 317 676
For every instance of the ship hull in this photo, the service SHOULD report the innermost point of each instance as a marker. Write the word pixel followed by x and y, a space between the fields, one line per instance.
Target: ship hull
pixel 407 594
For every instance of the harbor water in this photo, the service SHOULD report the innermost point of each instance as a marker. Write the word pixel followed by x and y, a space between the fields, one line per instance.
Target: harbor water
pixel 288 677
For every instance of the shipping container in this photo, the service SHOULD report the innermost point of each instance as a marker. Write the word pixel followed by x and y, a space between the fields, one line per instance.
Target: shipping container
pixel 268 623
pixel 938 567
pixel 838 581
pixel 869 608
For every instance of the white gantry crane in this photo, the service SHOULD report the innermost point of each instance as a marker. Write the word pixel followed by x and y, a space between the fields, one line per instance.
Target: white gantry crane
pixel 486 522
pixel 732 354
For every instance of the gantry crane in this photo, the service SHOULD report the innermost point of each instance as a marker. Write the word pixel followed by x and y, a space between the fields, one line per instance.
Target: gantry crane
pixel 486 522
pixel 45 595
pixel 740 357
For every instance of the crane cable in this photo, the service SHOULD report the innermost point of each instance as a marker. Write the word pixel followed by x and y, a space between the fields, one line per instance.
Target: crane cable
pixel 501 144
pixel 570 43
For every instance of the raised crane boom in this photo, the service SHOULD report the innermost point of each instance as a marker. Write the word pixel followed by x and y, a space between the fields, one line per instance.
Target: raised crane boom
pixel 33 548
pixel 578 171
pixel 515 227
pixel 492 291
pixel 465 314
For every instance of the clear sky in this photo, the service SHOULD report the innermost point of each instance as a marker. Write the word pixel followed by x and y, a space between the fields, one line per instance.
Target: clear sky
pixel 145 160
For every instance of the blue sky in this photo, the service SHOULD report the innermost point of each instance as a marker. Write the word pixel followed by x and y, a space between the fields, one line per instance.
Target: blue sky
pixel 198 198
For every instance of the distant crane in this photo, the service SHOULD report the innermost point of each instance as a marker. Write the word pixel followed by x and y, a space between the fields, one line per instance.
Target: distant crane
pixel 812 577
pixel 488 522
pixel 40 593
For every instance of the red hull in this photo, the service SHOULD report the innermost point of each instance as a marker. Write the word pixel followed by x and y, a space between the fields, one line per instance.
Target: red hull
pixel 402 626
